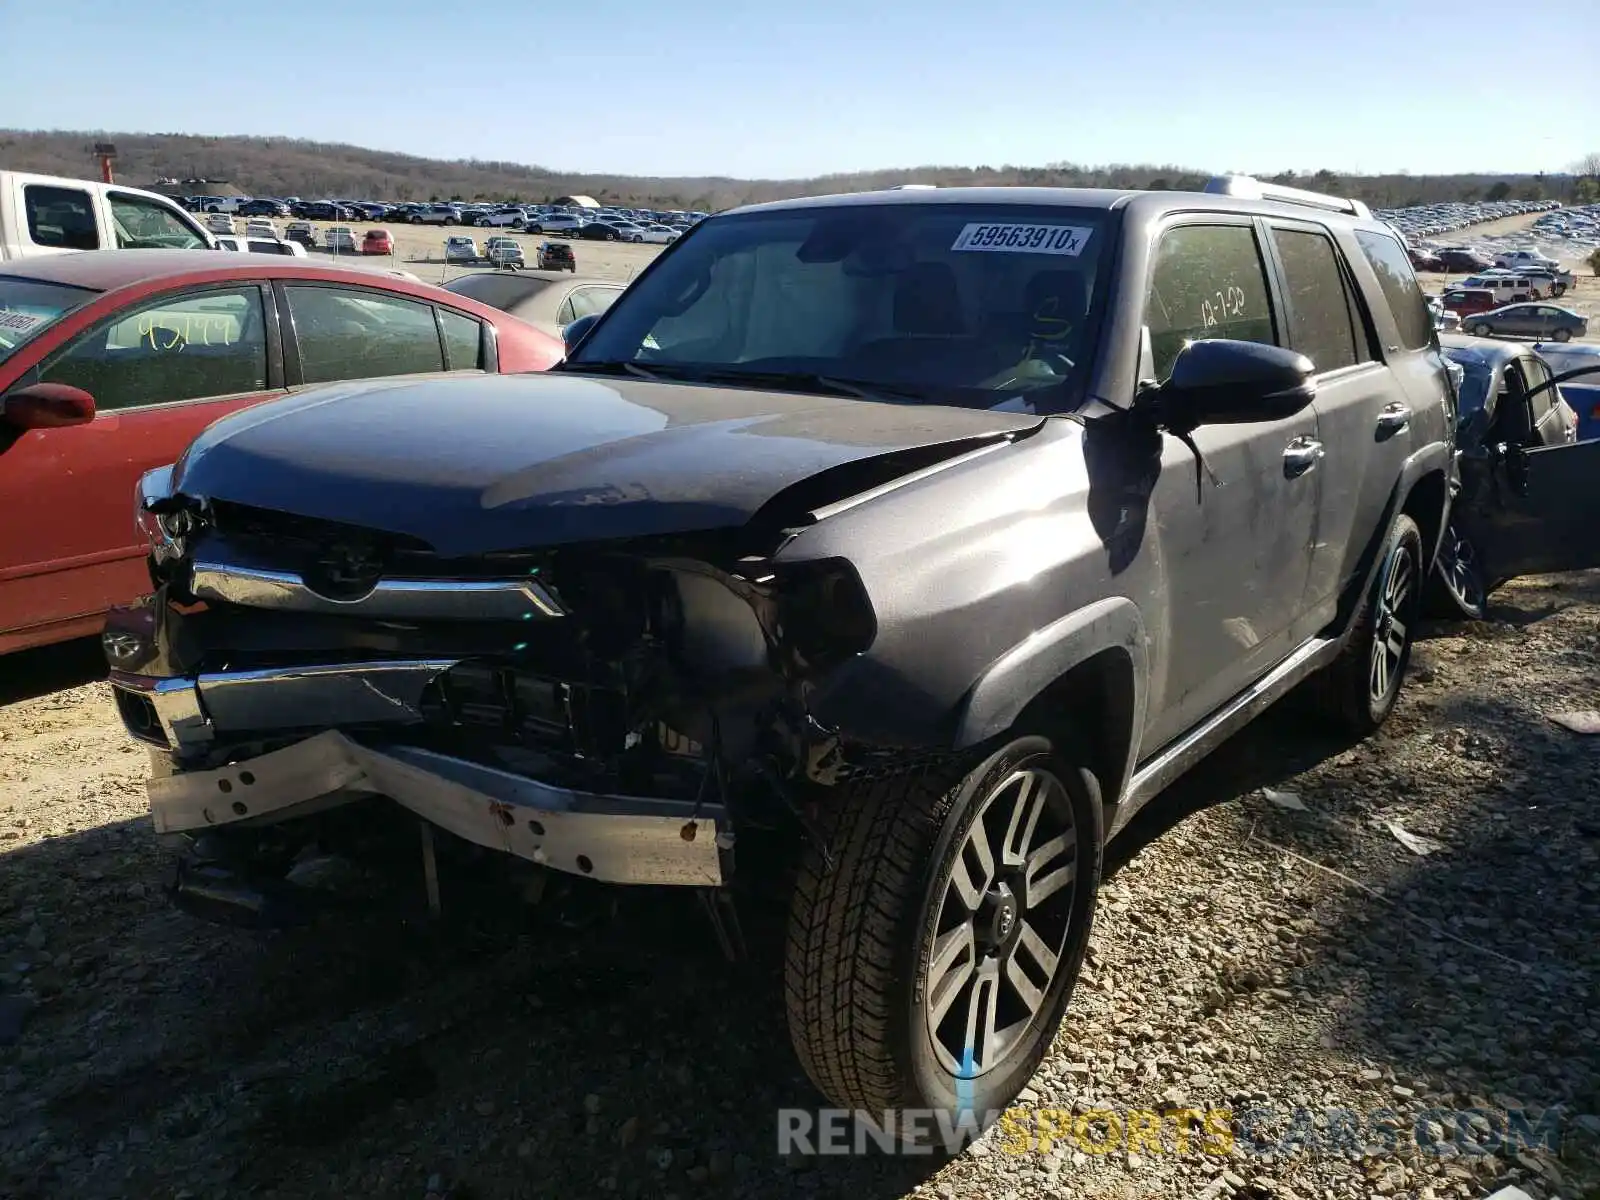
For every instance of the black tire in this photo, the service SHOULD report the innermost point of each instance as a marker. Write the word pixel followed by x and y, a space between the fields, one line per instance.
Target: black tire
pixel 1457 589
pixel 611 237
pixel 1348 690
pixel 1481 331
pixel 861 938
pixel 1561 335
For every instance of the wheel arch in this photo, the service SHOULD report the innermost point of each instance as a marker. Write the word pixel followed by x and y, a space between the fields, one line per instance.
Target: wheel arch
pixel 1422 492
pixel 1087 671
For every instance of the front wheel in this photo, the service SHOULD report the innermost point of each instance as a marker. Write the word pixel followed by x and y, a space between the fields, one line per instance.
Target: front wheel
pixel 1457 589
pixel 1358 689
pixel 1561 335
pixel 1481 330
pixel 611 237
pixel 931 966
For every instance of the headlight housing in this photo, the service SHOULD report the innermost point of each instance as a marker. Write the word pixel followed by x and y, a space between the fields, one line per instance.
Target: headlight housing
pixel 158 519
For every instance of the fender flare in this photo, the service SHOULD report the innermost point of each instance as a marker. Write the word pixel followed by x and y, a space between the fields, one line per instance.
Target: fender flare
pixel 1019 676
pixel 1435 456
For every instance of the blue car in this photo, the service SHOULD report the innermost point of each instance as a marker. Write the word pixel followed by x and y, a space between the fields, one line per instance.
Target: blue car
pixel 1583 393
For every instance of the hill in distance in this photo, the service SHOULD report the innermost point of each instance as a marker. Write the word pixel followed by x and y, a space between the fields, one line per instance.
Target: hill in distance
pixel 274 166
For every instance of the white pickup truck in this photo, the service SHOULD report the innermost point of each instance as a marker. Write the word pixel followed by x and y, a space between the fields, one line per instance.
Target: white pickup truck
pixel 47 214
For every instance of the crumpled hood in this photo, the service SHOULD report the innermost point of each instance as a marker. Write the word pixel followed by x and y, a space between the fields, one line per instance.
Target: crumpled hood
pixel 479 464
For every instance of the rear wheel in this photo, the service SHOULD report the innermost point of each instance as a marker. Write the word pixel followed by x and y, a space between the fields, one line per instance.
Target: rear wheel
pixel 931 966
pixel 1359 688
pixel 1561 335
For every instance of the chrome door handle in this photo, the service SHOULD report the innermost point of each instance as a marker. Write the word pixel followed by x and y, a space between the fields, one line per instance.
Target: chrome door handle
pixel 1301 455
pixel 1394 418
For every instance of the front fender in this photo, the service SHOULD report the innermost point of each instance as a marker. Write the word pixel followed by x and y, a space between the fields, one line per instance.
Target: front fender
pixel 1018 677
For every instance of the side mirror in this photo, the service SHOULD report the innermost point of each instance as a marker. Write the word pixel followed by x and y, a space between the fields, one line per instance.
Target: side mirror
pixel 47 406
pixel 1217 381
pixel 573 332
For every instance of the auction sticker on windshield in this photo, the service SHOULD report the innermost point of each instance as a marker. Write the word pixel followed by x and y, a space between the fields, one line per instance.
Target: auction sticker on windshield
pixel 1023 239
pixel 19 321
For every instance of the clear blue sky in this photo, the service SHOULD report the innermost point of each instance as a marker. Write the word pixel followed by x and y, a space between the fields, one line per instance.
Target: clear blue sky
pixel 680 87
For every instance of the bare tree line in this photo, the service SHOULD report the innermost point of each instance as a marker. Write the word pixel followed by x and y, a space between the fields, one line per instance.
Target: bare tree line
pixel 291 166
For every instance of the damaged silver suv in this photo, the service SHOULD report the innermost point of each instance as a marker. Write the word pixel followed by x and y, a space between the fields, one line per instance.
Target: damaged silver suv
pixel 935 530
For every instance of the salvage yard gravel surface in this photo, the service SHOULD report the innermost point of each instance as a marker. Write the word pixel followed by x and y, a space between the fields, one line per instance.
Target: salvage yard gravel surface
pixel 1266 939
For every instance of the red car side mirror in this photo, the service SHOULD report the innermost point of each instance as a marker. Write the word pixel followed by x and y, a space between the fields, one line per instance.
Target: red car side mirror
pixel 47 406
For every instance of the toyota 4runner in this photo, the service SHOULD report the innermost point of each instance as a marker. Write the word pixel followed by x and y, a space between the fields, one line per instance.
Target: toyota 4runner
pixel 935 531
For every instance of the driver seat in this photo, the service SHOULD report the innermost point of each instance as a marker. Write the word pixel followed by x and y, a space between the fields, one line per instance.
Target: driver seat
pixel 930 340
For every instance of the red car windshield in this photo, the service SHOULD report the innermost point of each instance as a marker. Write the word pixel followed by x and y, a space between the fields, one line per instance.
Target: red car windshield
pixel 28 307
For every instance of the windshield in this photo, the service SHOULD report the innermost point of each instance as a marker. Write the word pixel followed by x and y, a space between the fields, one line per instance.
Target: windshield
pixel 28 308
pixel 978 305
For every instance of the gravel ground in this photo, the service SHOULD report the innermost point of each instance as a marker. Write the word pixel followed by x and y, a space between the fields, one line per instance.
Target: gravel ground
pixel 1246 955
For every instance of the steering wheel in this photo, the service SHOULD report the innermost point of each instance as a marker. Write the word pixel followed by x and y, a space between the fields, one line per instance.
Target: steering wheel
pixel 166 339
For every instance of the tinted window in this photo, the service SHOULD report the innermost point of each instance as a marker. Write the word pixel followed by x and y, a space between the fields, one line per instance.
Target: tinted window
pixel 1319 309
pixel 1399 284
pixel 142 224
pixel 273 247
pixel 60 217
pixel 210 343
pixel 349 334
pixel 462 340
pixel 1208 282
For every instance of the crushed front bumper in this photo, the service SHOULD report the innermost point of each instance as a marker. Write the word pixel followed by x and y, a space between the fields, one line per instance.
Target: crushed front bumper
pixel 614 839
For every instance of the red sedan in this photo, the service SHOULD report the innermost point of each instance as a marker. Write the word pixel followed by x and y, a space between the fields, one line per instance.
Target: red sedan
pixel 377 241
pixel 112 361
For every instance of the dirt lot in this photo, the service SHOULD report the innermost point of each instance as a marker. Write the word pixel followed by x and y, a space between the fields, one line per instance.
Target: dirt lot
pixel 1246 955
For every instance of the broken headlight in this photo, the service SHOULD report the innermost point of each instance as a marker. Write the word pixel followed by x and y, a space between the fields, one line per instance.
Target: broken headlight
pixel 161 519
pixel 823 612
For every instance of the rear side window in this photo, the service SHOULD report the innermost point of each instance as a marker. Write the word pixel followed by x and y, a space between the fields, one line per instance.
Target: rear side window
pixel 1208 282
pixel 1399 283
pixel 62 218
pixel 463 341
pixel 349 334
pixel 1319 309
pixel 1536 373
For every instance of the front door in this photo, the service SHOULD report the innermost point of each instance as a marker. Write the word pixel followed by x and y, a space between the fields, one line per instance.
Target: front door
pixel 159 374
pixel 1235 529
pixel 1537 515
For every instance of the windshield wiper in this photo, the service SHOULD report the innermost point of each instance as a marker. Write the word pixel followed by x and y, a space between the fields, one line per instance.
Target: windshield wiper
pixel 617 367
pixel 810 381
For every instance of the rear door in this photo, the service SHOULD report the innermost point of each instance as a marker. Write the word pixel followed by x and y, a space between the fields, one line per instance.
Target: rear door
pixel 160 371
pixel 1363 413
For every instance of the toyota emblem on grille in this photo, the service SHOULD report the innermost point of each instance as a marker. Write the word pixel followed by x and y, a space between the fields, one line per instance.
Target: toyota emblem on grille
pixel 346 570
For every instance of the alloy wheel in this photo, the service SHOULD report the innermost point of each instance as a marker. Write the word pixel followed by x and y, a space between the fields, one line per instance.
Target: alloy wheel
pixel 1461 572
pixel 1389 632
pixel 1002 923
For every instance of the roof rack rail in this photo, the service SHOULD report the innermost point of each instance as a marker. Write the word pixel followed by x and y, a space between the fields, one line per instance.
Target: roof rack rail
pixel 1248 187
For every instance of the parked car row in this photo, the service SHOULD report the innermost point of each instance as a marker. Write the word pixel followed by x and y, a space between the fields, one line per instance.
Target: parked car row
pixel 534 218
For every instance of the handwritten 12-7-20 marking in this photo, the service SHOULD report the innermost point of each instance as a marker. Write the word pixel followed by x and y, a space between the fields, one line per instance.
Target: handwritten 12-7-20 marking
pixel 1223 305
pixel 1017 238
